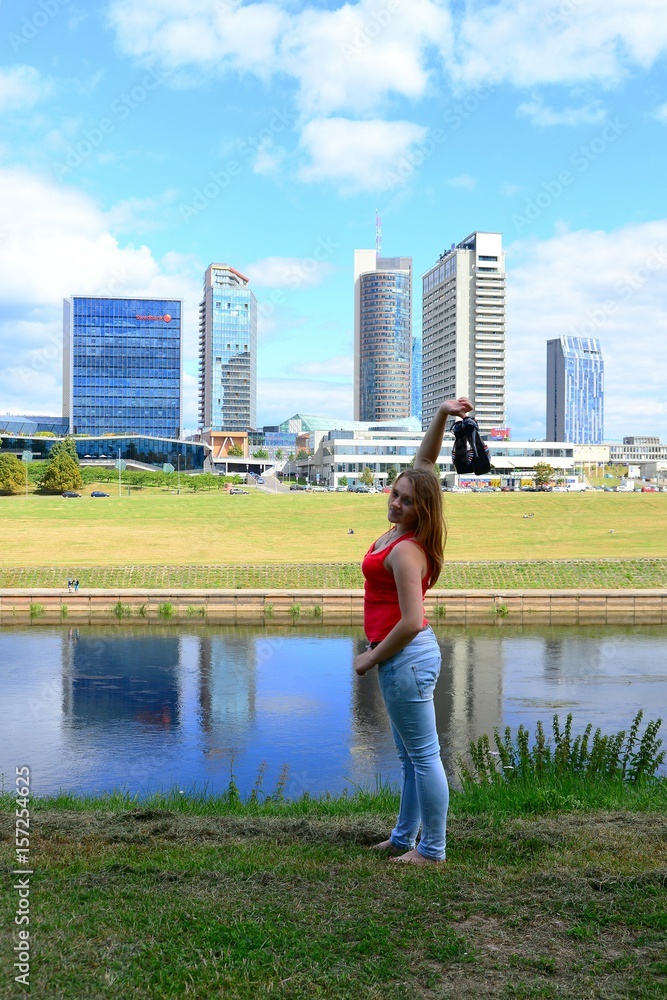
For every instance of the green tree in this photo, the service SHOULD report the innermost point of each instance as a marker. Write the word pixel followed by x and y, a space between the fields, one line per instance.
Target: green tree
pixel 236 451
pixel 260 453
pixel 62 473
pixel 342 480
pixel 64 446
pixel 279 454
pixel 12 474
pixel 367 477
pixel 301 455
pixel 290 457
pixel 392 472
pixel 544 474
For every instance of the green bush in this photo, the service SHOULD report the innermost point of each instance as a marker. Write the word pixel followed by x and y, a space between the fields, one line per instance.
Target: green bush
pixel 625 757
pixel 165 610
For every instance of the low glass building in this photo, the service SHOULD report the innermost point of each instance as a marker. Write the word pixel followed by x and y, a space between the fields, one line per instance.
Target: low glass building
pixel 136 450
pixel 122 365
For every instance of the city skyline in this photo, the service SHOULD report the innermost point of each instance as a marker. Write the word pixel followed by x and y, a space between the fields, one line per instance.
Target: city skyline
pixel 141 143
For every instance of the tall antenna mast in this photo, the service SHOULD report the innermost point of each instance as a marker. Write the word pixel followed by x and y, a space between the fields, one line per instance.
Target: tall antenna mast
pixel 378 233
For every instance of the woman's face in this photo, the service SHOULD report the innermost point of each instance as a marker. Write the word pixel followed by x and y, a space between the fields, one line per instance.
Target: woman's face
pixel 401 506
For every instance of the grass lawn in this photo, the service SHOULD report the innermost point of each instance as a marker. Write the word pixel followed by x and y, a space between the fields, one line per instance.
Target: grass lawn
pixel 213 528
pixel 244 903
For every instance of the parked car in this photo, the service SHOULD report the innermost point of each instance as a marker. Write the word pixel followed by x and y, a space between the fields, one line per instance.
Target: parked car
pixel 342 489
pixel 70 493
pixel 260 481
pixel 387 489
pixel 361 489
pixel 318 489
pixel 235 491
pixel 645 489
pixel 295 486
pixel 99 493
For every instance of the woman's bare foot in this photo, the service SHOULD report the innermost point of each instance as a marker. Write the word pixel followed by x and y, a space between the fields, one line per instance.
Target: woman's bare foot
pixel 415 858
pixel 386 847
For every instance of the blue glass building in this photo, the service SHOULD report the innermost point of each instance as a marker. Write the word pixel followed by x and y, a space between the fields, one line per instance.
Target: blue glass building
pixel 122 366
pixel 227 351
pixel 416 379
pixel 382 336
pixel 575 390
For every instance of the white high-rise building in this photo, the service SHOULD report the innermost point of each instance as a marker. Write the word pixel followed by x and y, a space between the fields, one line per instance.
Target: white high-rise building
pixel 463 319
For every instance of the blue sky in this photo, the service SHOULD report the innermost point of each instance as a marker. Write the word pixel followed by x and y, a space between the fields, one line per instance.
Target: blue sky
pixel 142 141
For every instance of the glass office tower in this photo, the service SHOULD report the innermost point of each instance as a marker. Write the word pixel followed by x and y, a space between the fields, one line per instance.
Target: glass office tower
pixel 575 390
pixel 382 336
pixel 122 365
pixel 227 351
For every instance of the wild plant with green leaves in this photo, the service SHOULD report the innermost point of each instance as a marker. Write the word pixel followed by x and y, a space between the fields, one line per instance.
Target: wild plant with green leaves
pixel 624 756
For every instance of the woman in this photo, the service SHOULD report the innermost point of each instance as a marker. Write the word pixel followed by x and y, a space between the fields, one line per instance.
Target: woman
pixel 398 568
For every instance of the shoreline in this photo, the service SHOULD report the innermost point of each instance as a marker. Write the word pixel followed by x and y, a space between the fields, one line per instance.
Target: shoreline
pixel 296 607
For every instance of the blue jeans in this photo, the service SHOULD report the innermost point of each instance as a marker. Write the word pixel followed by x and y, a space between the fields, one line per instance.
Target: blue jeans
pixel 407 681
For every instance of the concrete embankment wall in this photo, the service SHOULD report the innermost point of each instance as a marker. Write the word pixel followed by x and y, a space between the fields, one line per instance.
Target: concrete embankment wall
pixel 328 607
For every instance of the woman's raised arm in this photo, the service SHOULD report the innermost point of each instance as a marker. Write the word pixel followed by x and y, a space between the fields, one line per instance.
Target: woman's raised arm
pixel 429 449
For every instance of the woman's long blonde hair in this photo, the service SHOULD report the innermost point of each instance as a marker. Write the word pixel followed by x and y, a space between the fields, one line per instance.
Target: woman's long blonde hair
pixel 431 532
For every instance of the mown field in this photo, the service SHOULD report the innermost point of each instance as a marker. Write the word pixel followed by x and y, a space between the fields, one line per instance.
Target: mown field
pixel 148 529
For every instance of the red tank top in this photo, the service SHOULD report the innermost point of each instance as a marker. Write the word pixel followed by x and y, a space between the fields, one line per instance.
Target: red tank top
pixel 381 608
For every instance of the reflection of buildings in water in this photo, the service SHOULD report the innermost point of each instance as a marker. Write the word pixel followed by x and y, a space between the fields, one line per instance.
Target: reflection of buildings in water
pixel 571 656
pixel 469 694
pixel 227 691
pixel 468 701
pixel 120 678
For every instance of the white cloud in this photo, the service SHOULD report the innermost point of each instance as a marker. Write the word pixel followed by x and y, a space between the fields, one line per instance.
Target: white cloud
pixel 464 181
pixel 361 155
pixel 661 114
pixel 205 36
pixel 21 87
pixel 345 59
pixel 528 43
pixel 540 114
pixel 288 272
pixel 508 190
pixel 56 242
pixel 612 286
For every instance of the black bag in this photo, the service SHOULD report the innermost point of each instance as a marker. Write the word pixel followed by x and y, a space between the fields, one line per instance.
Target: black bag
pixel 469 453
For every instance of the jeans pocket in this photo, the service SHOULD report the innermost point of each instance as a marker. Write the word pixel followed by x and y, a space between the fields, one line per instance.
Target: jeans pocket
pixel 426 675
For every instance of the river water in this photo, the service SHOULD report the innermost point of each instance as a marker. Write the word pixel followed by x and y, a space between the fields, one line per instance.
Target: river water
pixel 144 709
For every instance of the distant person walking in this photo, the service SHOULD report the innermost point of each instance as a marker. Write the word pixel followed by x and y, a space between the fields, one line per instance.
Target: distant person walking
pixel 76 586
pixel 403 646
pixel 69 585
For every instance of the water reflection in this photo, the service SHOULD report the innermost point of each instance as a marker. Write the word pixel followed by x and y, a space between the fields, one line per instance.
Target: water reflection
pixel 92 709
pixel 98 688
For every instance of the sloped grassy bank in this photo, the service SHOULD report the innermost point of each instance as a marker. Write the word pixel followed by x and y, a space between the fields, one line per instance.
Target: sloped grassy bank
pixel 549 574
